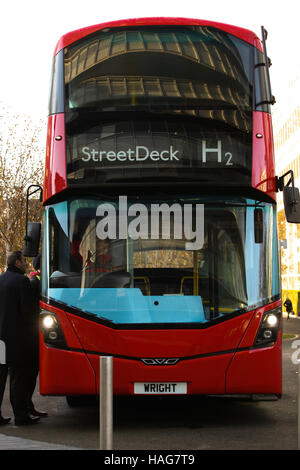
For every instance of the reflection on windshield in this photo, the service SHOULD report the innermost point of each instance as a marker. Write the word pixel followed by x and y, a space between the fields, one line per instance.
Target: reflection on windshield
pixel 198 66
pixel 146 280
pixel 147 99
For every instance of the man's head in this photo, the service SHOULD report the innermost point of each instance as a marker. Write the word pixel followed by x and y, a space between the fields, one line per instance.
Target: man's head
pixel 16 259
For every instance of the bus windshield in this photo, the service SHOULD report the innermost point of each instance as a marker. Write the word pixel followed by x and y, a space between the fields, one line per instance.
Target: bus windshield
pixel 142 101
pixel 162 67
pixel 197 261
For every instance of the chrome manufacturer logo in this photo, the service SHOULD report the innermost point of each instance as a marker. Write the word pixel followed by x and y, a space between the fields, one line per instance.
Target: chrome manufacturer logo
pixel 160 361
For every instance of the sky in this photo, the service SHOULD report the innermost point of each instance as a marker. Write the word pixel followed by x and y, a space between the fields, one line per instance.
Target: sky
pixel 29 31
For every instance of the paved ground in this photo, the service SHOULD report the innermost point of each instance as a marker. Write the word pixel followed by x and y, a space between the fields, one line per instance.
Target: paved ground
pixel 229 425
pixel 17 443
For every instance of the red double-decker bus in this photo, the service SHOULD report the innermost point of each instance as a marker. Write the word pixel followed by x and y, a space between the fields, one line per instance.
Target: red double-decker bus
pixel 161 120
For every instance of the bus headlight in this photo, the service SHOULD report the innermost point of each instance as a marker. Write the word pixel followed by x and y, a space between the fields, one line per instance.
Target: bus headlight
pixel 48 321
pixel 51 330
pixel 272 320
pixel 269 327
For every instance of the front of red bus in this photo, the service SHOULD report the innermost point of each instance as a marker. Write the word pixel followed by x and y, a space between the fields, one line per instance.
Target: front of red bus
pixel 160 238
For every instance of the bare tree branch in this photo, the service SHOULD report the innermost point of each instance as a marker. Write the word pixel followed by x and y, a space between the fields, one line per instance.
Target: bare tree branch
pixel 22 150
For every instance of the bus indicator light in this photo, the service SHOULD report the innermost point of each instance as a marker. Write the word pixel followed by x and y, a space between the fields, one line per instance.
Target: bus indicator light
pixel 272 320
pixel 48 321
pixel 269 328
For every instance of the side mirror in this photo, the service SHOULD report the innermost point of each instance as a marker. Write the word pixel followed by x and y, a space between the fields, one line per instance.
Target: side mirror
pixel 33 229
pixel 291 200
pixel 32 239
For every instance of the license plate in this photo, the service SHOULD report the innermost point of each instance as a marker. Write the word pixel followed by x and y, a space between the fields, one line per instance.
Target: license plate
pixel 160 388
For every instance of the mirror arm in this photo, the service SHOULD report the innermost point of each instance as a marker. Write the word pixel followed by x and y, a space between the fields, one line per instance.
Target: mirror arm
pixel 280 180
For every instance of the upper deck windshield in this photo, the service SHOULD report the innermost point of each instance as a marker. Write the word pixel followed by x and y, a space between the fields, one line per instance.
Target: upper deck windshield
pixel 161 67
pixel 177 260
pixel 140 100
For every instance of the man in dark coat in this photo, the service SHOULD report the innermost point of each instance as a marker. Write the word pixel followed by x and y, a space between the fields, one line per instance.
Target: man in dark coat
pixel 3 377
pixel 35 281
pixel 18 332
pixel 288 306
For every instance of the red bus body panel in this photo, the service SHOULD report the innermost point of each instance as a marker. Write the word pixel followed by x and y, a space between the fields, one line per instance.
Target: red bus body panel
pixel 256 371
pixel 263 162
pixel 214 360
pixel 73 36
pixel 55 179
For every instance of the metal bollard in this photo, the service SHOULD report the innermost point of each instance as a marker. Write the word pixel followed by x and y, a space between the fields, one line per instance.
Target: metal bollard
pixel 2 352
pixel 106 402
